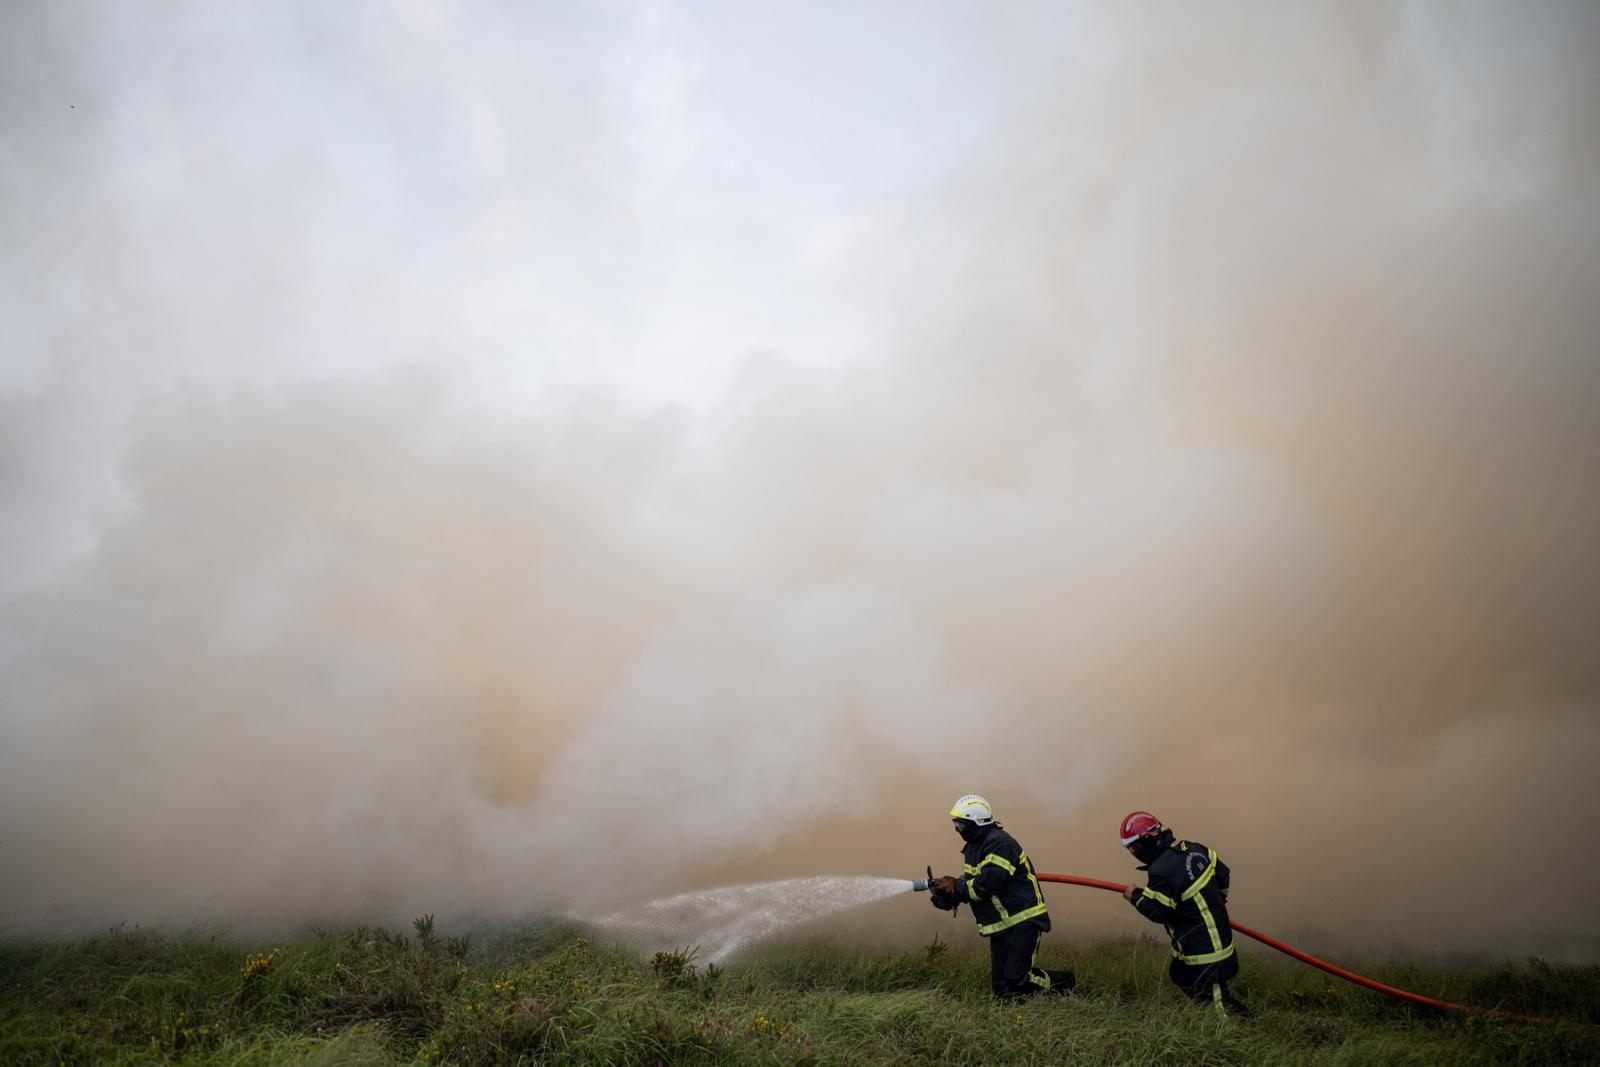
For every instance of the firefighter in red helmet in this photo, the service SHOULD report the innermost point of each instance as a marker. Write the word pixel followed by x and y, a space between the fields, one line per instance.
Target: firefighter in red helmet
pixel 1188 894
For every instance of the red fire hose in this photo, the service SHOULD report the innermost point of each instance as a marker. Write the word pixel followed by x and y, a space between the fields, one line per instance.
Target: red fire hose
pixel 1323 965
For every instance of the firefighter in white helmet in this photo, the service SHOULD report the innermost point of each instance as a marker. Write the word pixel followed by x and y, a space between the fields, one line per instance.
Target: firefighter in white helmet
pixel 999 885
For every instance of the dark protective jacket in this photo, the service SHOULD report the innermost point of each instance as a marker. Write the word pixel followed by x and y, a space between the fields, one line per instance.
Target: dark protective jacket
pixel 999 883
pixel 1188 893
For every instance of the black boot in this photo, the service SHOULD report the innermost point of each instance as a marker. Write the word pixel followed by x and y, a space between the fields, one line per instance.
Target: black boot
pixel 1062 983
pixel 1234 1006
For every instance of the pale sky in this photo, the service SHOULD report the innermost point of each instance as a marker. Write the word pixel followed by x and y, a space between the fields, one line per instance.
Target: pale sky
pixel 630 199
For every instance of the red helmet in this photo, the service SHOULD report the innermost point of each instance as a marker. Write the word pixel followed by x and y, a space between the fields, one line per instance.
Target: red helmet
pixel 1139 824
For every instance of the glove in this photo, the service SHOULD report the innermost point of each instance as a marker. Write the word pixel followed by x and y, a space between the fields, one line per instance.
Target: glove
pixel 946 893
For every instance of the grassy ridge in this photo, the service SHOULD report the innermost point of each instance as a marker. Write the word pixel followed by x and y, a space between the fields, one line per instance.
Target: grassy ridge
pixel 543 993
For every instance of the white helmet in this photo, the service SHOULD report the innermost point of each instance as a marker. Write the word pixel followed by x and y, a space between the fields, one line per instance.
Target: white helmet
pixel 973 808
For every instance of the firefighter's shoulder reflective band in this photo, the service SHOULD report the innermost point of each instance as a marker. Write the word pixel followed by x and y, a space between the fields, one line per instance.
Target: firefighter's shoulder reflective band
pixel 1012 920
pixel 1205 879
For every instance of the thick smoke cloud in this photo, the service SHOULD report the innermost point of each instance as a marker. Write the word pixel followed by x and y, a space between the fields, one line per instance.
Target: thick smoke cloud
pixel 1203 420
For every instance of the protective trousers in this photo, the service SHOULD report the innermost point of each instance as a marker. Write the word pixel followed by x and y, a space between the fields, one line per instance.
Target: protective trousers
pixel 1209 985
pixel 1013 953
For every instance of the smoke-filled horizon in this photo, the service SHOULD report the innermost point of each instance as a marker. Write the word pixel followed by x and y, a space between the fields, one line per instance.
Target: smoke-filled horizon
pixel 501 459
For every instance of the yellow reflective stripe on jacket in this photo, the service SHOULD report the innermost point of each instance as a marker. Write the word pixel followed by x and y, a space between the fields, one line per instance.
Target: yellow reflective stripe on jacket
pixel 1209 957
pixel 1160 898
pixel 1027 865
pixel 997 860
pixel 1001 861
pixel 1211 923
pixel 1011 920
pixel 1205 879
pixel 1008 920
pixel 1218 952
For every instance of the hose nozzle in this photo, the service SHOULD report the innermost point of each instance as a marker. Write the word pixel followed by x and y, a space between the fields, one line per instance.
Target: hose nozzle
pixel 922 885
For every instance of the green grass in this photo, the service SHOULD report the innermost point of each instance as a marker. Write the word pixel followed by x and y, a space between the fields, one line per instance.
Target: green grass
pixel 544 993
